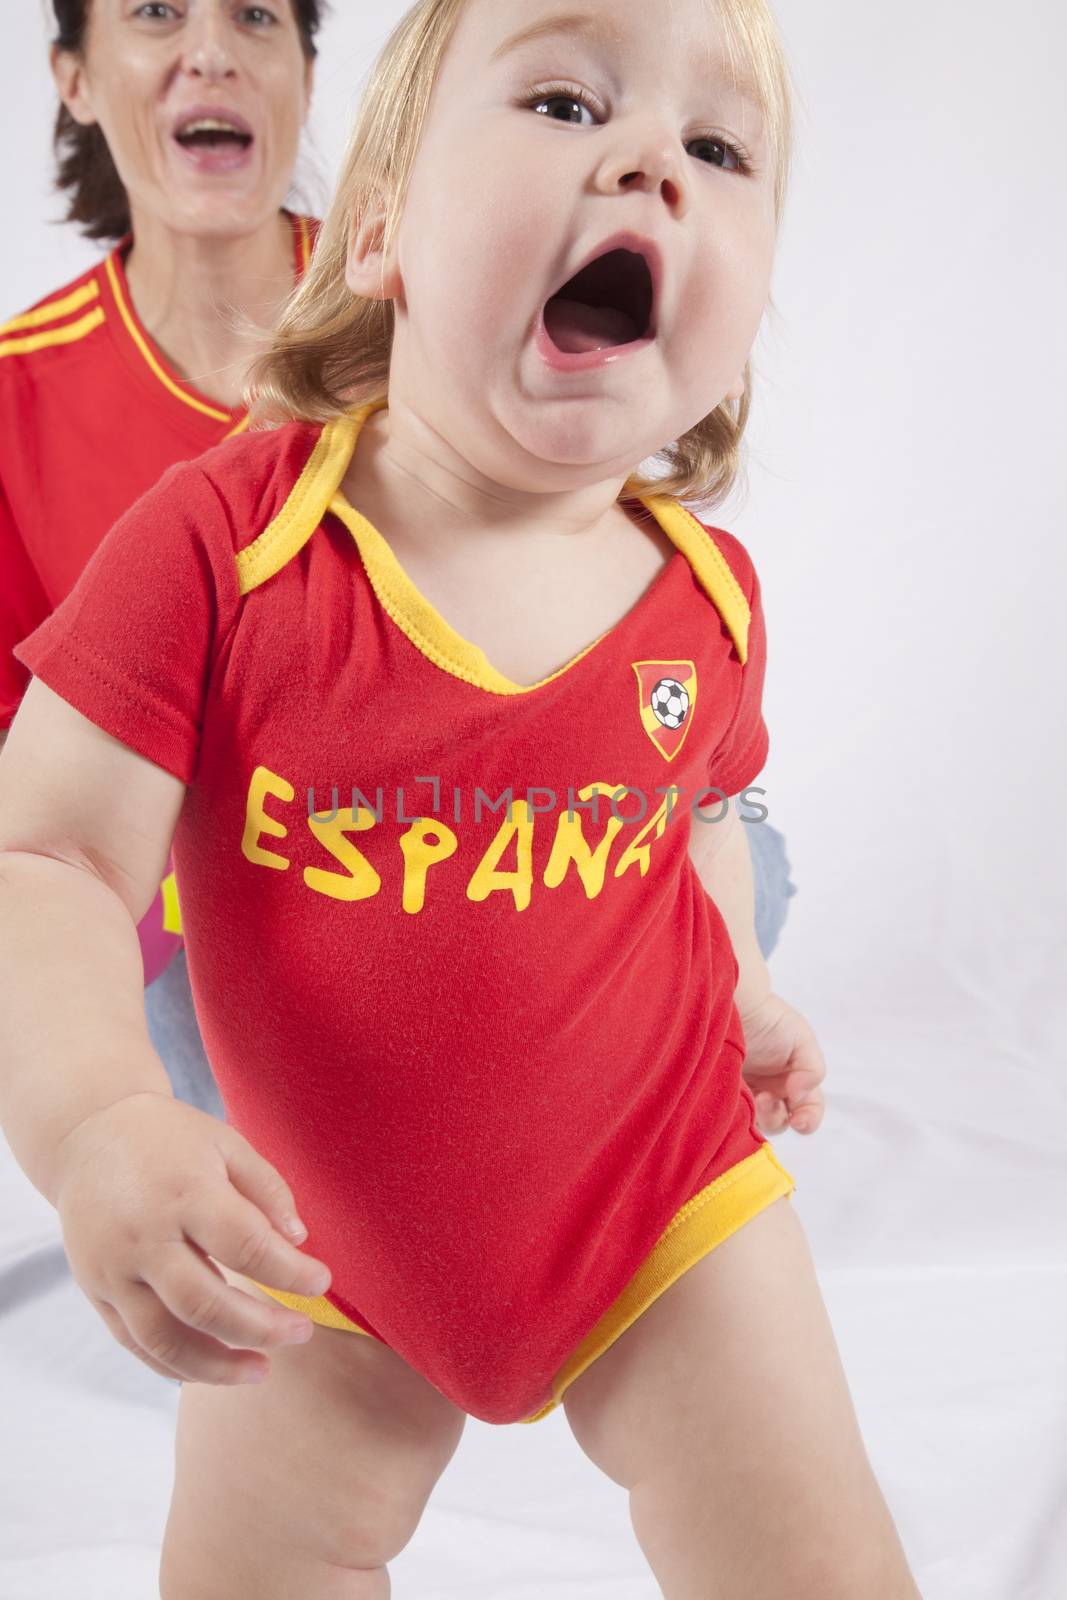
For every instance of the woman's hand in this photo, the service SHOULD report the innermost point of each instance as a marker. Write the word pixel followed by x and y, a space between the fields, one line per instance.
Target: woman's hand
pixel 153 1190
pixel 783 1067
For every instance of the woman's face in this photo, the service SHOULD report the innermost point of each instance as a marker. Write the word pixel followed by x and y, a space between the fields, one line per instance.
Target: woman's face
pixel 514 198
pixel 156 77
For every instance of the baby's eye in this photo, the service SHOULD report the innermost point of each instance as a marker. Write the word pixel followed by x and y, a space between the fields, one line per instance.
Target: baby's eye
pixel 156 12
pixel 570 94
pixel 741 163
pixel 564 93
pixel 259 16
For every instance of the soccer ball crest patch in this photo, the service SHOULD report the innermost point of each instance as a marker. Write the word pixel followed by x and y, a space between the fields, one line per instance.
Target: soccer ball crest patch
pixel 667 692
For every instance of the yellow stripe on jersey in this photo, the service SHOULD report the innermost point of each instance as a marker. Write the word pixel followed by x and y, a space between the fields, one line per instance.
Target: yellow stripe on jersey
pixel 172 917
pixel 305 244
pixel 54 309
pixel 68 333
pixel 135 334
pixel 240 428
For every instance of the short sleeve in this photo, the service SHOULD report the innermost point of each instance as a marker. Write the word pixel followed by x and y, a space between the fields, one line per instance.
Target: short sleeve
pixel 23 607
pixel 742 751
pixel 132 646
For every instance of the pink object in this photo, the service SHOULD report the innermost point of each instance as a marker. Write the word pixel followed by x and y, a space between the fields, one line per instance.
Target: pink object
pixel 159 945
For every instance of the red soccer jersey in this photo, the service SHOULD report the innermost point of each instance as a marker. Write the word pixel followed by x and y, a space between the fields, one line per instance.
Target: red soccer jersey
pixel 498 1061
pixel 91 415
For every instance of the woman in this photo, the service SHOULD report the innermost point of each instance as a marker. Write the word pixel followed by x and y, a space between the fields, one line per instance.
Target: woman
pixel 176 140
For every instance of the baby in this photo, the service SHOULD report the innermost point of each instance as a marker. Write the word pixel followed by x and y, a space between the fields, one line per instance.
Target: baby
pixel 445 707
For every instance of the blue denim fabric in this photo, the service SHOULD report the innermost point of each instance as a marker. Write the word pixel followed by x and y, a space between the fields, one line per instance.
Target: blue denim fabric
pixel 175 1036
pixel 770 879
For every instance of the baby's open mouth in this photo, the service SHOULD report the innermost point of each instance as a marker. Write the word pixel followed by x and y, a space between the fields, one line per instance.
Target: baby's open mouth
pixel 608 303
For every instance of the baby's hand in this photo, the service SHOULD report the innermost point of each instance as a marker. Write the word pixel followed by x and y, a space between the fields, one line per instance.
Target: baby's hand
pixel 152 1189
pixel 783 1067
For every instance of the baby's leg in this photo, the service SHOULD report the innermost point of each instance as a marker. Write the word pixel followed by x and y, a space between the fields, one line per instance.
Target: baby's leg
pixel 725 1412
pixel 307 1484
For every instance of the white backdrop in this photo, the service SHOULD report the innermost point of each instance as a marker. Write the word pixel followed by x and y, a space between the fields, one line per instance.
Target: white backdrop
pixel 906 512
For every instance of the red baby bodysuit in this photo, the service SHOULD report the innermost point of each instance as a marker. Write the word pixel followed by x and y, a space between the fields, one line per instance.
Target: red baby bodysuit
pixel 498 1060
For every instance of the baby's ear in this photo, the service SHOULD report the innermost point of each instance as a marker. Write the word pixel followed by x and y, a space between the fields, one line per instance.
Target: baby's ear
pixel 367 272
pixel 736 390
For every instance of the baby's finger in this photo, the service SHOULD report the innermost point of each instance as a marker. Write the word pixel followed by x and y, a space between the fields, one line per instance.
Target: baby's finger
pixel 194 1289
pixel 233 1230
pixel 771 1112
pixel 121 1334
pixel 154 1334
pixel 807 1117
pixel 803 1093
pixel 254 1177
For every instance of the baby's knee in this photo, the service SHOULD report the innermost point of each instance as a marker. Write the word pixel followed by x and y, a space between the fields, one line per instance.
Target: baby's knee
pixel 289 1486
pixel 226 1542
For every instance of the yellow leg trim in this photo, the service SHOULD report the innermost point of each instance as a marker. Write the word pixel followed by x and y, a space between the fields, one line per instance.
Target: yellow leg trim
pixel 317 1307
pixel 699 1226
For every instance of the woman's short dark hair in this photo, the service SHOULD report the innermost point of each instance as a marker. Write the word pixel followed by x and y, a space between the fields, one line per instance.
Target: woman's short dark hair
pixel 84 166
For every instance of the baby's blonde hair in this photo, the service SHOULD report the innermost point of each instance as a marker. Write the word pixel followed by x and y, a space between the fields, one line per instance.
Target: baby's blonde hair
pixel 331 348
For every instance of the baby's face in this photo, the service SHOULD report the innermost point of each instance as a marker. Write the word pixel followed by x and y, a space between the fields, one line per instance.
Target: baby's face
pixel 507 201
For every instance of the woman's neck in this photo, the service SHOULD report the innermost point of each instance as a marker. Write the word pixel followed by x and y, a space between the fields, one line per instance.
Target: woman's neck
pixel 196 295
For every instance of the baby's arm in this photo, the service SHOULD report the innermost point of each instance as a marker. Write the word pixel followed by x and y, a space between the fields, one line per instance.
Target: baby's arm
pixel 150 1192
pixel 723 861
pixel 783 1063
pixel 74 804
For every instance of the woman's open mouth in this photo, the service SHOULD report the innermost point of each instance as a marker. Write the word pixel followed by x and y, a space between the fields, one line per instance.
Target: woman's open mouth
pixel 601 314
pixel 214 141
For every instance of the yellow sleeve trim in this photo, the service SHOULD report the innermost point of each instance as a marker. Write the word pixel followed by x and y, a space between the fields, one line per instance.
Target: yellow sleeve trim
pixel 307 503
pixel 54 309
pixel 135 334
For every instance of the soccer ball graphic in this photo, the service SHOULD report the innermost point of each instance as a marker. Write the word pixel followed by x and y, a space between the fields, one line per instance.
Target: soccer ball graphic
pixel 670 702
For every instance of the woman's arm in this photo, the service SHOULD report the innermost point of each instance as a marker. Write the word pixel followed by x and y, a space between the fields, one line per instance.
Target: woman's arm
pixel 85 828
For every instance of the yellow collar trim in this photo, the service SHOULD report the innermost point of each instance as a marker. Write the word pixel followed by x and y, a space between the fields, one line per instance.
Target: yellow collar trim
pixel 421 621
pixel 317 491
pixel 147 353
pixel 708 562
pixel 305 506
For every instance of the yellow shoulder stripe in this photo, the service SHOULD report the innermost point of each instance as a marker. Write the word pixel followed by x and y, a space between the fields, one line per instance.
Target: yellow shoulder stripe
pixel 305 507
pixel 54 309
pixel 69 333
pixel 708 562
